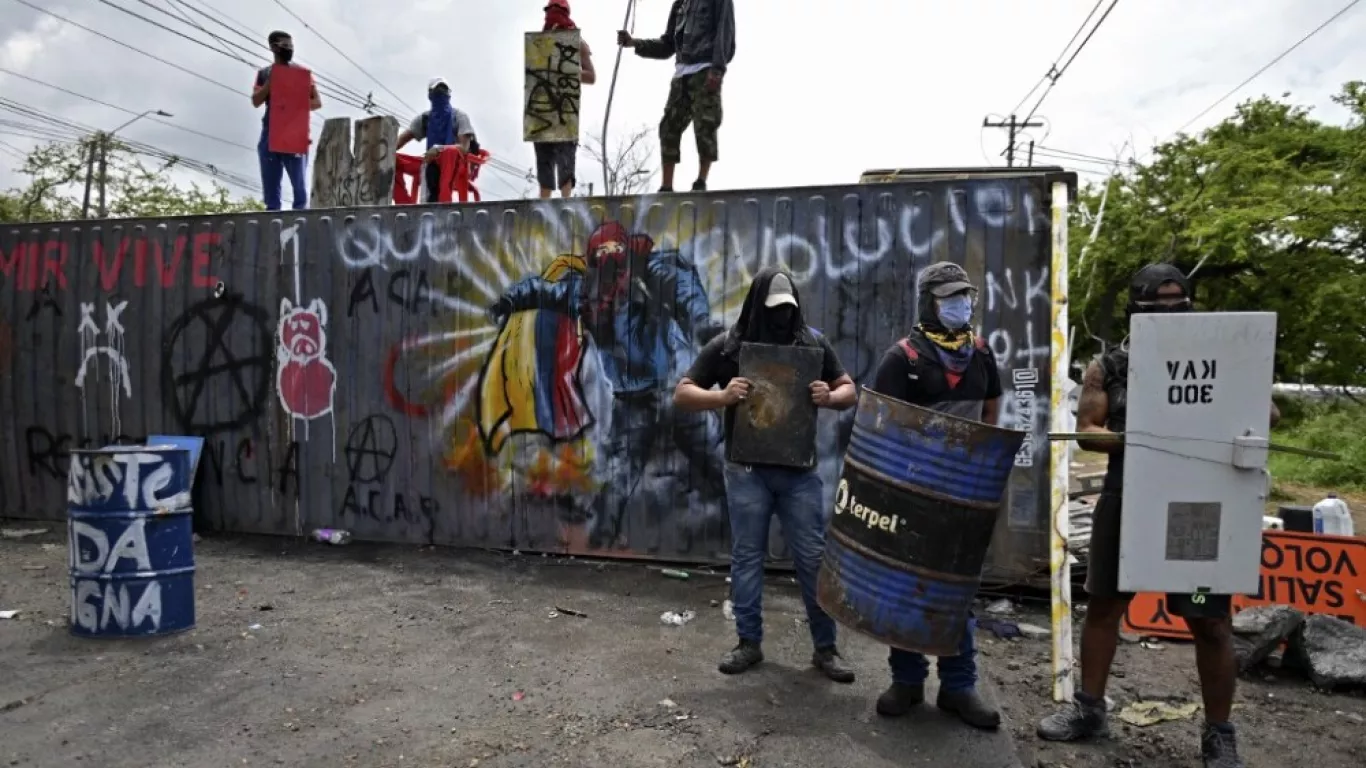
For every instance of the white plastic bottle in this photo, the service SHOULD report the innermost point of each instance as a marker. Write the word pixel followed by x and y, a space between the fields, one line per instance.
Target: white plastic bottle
pixel 1332 518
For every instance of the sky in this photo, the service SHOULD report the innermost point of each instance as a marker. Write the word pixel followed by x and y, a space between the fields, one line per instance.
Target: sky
pixel 819 90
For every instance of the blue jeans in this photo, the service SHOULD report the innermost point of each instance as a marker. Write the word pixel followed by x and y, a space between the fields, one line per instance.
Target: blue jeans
pixel 274 165
pixel 753 495
pixel 956 673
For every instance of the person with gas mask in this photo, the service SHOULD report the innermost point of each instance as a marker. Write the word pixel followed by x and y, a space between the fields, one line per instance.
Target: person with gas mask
pixel 771 314
pixel 441 126
pixel 944 366
pixel 277 164
pixel 1102 410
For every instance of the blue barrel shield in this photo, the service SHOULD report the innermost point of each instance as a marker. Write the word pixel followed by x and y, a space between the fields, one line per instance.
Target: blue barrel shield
pixel 914 514
pixel 130 541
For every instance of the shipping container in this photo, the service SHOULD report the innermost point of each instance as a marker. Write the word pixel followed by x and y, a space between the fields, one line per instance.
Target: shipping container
pixel 464 374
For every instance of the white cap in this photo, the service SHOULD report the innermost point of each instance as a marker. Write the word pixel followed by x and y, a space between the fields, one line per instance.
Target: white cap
pixel 780 292
pixel 435 81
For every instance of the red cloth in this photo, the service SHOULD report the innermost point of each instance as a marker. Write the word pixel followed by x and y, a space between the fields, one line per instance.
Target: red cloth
pixel 407 168
pixel 291 89
pixel 557 16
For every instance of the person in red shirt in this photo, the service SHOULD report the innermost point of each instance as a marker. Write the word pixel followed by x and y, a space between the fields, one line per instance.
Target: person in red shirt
pixel 274 165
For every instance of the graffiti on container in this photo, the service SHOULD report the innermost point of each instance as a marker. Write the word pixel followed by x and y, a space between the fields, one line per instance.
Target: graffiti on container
pixel 95 602
pixel 153 262
pixel 406 288
pixel 307 381
pixel 244 462
pixel 371 448
pixel 48 454
pixel 113 352
pixel 43 300
pixel 216 365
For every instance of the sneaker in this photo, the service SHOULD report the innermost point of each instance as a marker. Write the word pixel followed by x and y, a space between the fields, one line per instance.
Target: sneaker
pixel 663 190
pixel 828 661
pixel 970 707
pixel 699 186
pixel 900 699
pixel 740 658
pixel 1219 747
pixel 1081 718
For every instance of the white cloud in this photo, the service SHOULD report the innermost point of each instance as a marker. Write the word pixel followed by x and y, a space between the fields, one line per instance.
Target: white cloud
pixel 818 92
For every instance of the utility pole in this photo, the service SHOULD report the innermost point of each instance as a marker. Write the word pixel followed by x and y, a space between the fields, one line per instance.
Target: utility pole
pixel 1013 127
pixel 89 177
pixel 103 139
pixel 1031 152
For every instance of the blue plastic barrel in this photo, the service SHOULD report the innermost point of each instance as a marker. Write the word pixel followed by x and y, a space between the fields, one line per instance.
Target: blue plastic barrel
pixel 914 514
pixel 130 540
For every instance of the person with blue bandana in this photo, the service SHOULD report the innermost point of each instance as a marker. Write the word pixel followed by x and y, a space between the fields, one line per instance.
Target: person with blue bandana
pixel 945 366
pixel 441 126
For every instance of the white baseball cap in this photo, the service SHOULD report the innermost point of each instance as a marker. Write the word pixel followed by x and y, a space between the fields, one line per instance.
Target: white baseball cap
pixel 780 292
pixel 435 81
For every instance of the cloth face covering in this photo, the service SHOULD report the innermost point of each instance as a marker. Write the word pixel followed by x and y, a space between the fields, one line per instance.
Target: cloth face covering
pixel 441 120
pixel 955 312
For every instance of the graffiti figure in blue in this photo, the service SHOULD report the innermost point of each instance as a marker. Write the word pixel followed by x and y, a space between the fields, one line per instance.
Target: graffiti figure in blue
pixel 647 312
pixel 944 366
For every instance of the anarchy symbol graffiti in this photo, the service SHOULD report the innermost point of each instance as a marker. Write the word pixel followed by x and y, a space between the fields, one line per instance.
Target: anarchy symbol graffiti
pixel 216 365
pixel 370 449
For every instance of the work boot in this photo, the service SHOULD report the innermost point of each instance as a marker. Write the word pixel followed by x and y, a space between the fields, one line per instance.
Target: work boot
pixel 828 661
pixel 700 185
pixel 1219 747
pixel 740 658
pixel 900 699
pixel 1081 718
pixel 970 707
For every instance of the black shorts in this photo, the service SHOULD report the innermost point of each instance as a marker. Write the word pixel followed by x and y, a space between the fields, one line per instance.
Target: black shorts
pixel 1102 570
pixel 555 163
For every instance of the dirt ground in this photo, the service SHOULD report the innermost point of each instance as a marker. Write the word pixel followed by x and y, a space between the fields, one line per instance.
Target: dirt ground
pixel 393 656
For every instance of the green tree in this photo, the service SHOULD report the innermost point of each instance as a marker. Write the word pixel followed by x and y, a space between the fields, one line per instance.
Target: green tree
pixel 56 185
pixel 1267 210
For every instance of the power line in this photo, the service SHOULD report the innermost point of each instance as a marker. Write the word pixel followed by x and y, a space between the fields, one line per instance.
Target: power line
pixel 1058 73
pixel 125 110
pixel 1083 156
pixel 342 54
pixel 1054 66
pixel 1269 64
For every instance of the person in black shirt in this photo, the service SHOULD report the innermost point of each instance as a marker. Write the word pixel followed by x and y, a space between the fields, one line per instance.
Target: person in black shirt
pixel 942 365
pixel 1103 409
pixel 771 314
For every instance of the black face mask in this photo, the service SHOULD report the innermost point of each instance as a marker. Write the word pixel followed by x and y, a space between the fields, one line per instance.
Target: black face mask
pixel 1144 290
pixel 284 54
pixel 778 319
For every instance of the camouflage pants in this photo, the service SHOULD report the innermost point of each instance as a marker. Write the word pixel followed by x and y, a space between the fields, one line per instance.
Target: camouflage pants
pixel 690 101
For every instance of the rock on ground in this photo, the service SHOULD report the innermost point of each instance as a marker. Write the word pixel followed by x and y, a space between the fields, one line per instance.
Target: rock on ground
pixel 1259 631
pixel 1331 651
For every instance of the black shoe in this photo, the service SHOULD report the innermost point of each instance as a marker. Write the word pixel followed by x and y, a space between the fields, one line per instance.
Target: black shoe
pixel 741 658
pixel 1081 718
pixel 700 185
pixel 828 661
pixel 900 699
pixel 1219 747
pixel 663 190
pixel 970 707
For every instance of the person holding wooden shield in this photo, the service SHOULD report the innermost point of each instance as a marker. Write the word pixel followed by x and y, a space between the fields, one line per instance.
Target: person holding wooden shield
pixel 555 160
pixel 771 322
pixel 944 366
pixel 289 95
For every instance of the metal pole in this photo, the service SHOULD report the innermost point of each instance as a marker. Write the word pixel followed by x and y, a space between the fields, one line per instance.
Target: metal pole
pixel 103 172
pixel 611 91
pixel 1060 569
pixel 89 179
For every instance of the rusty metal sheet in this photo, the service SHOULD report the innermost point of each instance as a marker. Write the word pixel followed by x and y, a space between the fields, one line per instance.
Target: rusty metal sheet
pixel 776 424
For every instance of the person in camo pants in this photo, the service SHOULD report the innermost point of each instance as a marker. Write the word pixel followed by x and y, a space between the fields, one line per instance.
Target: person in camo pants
pixel 700 37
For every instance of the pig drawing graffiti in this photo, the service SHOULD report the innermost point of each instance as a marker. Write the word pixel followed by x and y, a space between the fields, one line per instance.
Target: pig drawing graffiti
pixel 307 381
